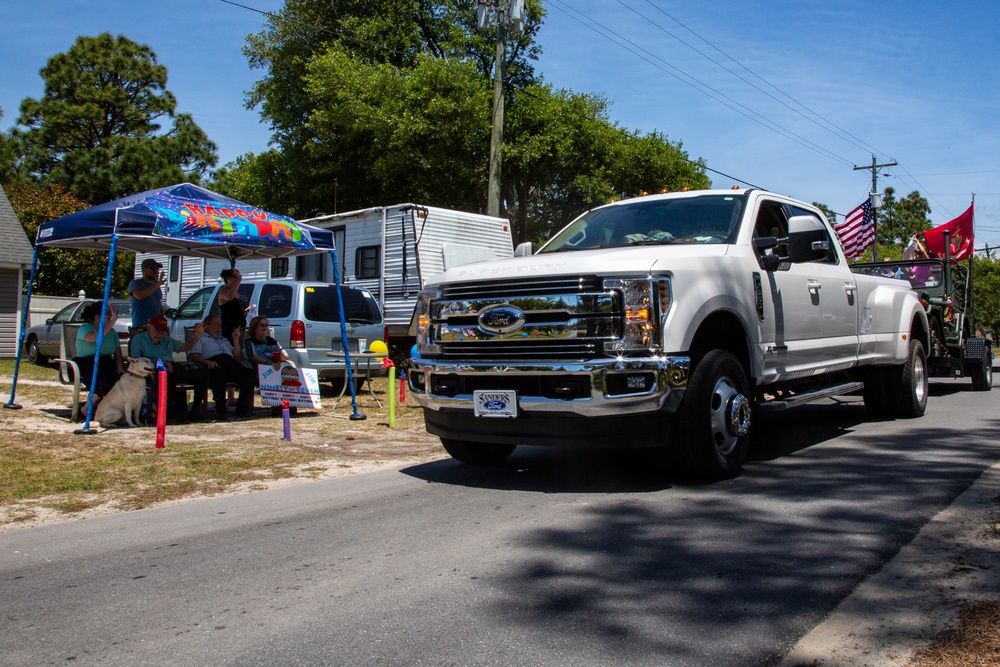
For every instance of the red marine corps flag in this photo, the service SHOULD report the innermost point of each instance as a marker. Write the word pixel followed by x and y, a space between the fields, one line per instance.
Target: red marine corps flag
pixel 962 232
pixel 857 231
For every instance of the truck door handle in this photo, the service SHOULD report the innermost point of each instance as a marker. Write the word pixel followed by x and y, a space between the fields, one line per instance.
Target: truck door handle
pixel 850 288
pixel 813 285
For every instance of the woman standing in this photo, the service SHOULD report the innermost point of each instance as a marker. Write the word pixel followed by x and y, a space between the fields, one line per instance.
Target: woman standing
pixel 231 311
pixel 110 363
pixel 230 308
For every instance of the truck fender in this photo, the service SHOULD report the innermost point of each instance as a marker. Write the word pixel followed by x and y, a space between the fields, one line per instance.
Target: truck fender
pixel 723 328
pixel 912 321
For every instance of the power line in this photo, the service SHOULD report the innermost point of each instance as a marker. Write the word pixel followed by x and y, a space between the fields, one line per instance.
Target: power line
pixel 693 82
pixel 837 131
pixel 959 173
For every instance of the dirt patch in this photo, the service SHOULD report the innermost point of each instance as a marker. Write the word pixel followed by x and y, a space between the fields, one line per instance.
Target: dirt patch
pixel 123 470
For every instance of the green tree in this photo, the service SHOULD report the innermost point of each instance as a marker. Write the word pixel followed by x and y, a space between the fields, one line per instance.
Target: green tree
pixel 899 219
pixel 831 216
pixel 10 154
pixel 372 110
pixel 64 272
pixel 418 134
pixel 323 161
pixel 97 132
pixel 986 293
pixel 563 155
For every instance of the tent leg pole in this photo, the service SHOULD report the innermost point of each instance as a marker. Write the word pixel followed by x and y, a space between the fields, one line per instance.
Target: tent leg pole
pixel 348 370
pixel 86 430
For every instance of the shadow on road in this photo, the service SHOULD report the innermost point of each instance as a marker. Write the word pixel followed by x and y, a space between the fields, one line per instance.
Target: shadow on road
pixel 729 573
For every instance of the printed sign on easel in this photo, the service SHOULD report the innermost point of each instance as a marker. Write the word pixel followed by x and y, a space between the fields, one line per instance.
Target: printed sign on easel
pixel 298 386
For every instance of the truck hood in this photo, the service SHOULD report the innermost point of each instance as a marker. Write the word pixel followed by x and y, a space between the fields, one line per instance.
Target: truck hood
pixel 633 260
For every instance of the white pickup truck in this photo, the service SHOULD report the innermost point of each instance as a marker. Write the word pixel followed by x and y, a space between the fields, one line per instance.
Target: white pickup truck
pixel 662 321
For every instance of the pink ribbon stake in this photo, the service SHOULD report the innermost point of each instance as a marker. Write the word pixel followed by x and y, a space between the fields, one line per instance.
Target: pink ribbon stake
pixel 161 403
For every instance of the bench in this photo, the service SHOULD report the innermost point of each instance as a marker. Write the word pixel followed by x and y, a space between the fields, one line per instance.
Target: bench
pixel 69 371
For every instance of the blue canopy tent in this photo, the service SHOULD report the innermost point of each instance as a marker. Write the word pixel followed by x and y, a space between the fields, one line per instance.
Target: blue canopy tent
pixel 182 219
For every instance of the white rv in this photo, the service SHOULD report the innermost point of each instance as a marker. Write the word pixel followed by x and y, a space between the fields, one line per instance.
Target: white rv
pixel 390 251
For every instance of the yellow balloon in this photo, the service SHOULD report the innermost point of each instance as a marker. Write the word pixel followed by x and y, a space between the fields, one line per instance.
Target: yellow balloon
pixel 378 347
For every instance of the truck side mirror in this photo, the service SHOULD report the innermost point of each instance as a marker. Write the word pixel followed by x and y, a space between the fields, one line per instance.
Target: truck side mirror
pixel 769 261
pixel 808 239
pixel 524 249
pixel 170 313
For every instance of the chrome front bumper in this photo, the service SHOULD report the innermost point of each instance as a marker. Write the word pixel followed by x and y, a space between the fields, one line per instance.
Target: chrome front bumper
pixel 669 379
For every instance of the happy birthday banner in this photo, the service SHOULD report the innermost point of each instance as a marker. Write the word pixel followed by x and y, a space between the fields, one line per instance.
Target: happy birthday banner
pixel 216 222
pixel 298 386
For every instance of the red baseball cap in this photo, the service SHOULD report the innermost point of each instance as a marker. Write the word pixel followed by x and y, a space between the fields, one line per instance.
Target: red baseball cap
pixel 159 323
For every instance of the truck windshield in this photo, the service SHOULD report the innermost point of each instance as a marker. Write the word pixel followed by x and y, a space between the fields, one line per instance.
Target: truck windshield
pixel 708 218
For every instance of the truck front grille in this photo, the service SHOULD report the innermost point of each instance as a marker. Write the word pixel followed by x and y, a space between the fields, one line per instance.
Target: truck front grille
pixel 565 319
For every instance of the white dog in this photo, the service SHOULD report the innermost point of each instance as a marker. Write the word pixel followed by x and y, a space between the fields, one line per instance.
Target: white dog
pixel 125 398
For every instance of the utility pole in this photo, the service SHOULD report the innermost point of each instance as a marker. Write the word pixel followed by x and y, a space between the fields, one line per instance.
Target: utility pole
pixel 875 200
pixel 499 13
pixel 496 137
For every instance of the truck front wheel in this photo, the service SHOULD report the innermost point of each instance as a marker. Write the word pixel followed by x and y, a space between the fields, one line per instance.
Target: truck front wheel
pixel 712 427
pixel 982 378
pixel 907 384
pixel 477 453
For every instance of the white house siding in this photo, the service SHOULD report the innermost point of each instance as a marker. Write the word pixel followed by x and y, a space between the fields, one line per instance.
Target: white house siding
pixel 10 312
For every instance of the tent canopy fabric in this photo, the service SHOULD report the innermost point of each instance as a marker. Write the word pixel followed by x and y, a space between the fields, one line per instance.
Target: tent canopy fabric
pixel 184 219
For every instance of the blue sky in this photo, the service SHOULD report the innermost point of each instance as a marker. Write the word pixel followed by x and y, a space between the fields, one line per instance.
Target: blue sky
pixel 820 85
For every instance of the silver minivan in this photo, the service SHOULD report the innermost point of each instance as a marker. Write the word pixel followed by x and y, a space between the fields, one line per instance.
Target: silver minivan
pixel 304 317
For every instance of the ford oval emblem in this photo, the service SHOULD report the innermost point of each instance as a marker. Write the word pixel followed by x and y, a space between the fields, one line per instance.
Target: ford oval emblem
pixel 494 405
pixel 501 319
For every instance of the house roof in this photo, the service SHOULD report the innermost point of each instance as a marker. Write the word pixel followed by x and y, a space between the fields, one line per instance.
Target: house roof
pixel 16 250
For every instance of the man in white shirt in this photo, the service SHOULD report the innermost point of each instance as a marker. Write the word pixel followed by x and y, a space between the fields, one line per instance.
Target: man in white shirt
pixel 223 361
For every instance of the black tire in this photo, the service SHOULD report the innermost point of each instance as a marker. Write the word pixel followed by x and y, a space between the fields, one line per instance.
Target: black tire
pixel 35 355
pixel 907 383
pixel 876 398
pixel 982 378
pixel 712 425
pixel 477 453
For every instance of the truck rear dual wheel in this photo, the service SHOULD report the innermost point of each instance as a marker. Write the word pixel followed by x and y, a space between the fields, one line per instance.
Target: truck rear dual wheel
pixel 712 427
pixel 907 384
pixel 982 378
pixel 477 453
pixel 876 397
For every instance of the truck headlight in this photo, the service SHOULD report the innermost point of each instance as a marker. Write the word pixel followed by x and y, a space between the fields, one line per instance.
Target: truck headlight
pixel 422 315
pixel 644 303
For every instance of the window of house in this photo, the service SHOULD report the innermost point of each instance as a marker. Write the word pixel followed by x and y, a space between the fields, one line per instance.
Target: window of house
pixel 279 267
pixel 366 262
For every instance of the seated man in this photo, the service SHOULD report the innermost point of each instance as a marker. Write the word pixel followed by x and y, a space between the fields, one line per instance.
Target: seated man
pixel 224 363
pixel 155 343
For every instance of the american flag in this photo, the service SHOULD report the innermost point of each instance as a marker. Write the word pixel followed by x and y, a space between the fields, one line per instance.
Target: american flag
pixel 857 231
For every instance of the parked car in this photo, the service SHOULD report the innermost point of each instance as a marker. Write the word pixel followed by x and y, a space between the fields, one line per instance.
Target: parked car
pixel 304 317
pixel 42 341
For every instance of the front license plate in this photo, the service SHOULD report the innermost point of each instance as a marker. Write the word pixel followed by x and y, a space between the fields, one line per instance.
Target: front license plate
pixel 495 403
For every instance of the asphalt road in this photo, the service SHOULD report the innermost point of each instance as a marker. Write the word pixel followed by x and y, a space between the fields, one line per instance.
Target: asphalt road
pixel 556 558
